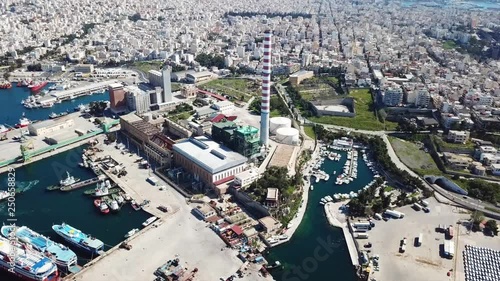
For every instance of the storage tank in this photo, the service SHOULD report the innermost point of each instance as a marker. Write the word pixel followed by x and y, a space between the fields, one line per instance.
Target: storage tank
pixel 279 122
pixel 287 136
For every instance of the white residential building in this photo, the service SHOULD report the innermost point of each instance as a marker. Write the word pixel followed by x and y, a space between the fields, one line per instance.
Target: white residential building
pixel 458 136
pixel 137 100
pixel 393 96
pixel 423 98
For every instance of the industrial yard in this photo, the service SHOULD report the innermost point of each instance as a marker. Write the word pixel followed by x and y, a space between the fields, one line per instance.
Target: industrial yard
pixel 178 234
pixel 10 147
pixel 428 259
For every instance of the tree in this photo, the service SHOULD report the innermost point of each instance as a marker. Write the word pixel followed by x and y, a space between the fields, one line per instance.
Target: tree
pixel 97 108
pixel 6 75
pixel 492 226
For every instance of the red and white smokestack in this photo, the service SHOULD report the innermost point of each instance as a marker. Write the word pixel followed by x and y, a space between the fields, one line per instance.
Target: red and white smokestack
pixel 266 90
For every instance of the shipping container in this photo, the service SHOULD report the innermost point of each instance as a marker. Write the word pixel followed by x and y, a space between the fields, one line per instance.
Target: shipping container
pixel 424 203
pixel 419 239
pixel 417 206
pixel 152 180
pixel 362 225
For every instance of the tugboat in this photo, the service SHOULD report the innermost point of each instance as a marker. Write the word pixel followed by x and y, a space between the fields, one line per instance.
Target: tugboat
pixel 23 122
pixel 69 180
pixel 38 86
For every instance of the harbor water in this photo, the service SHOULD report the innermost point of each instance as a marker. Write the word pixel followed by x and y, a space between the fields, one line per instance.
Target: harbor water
pixel 39 209
pixel 318 251
pixel 12 109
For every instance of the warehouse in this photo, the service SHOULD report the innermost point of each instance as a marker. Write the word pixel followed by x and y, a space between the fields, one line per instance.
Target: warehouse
pixel 208 161
pixel 50 126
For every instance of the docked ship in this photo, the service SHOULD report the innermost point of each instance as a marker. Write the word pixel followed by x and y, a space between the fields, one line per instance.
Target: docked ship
pixel 79 239
pixel 4 129
pixel 23 122
pixel 28 265
pixel 38 86
pixel 69 180
pixel 60 254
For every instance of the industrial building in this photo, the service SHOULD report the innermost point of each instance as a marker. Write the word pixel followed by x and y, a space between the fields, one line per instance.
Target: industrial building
pixel 189 92
pixel 155 78
pixel 242 139
pixel 298 77
pixel 137 99
pixel 458 136
pixel 159 148
pixel 223 106
pixel 139 130
pixel 334 107
pixel 208 161
pixel 50 126
pixel 246 178
pixel 166 84
pixel 84 68
pixel 196 77
pixel 118 102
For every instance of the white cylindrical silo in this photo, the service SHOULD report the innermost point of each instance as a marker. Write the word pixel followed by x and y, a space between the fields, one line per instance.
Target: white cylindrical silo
pixel 279 122
pixel 287 136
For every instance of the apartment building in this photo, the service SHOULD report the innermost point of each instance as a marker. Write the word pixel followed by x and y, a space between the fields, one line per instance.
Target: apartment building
pixel 458 136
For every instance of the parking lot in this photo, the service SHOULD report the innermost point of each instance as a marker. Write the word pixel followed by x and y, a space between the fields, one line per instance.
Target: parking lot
pixel 427 261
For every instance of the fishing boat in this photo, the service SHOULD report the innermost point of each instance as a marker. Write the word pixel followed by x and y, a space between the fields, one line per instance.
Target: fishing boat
pixel 105 192
pixel 25 264
pixel 53 115
pixel 69 180
pixel 53 187
pixel 23 122
pixel 115 207
pixel 132 232
pixel 149 221
pixel 104 208
pixel 79 239
pixel 63 257
pixel 135 206
pixel 118 198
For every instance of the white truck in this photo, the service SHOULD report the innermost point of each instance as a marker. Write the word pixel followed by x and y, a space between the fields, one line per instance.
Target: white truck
pixel 394 214
pixel 449 248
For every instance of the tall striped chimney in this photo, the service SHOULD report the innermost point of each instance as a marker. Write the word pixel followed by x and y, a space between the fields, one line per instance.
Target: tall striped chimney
pixel 266 90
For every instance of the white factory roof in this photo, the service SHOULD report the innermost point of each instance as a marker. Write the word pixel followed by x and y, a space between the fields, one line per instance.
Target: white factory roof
pixel 48 123
pixel 208 154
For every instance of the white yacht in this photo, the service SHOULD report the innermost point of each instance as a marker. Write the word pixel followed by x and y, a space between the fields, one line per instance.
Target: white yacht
pixel 131 233
pixel 69 180
pixel 114 206
pixel 149 221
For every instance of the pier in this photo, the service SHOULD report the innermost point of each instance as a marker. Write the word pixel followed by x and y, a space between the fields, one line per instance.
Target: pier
pixel 83 183
pixel 332 214
pixel 72 93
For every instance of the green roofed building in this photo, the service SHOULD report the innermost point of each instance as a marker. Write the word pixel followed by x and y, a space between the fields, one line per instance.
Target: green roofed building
pixel 242 139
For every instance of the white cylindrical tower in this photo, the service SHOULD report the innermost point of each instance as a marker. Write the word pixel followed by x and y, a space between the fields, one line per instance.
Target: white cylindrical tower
pixel 266 90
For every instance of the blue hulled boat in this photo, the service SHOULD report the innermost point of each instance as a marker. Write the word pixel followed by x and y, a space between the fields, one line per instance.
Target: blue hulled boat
pixel 60 254
pixel 79 239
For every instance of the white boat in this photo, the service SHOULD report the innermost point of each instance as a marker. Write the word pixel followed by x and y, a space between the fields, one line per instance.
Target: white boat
pixel 131 233
pixel 69 180
pixel 3 129
pixel 119 199
pixel 104 207
pixel 149 221
pixel 312 187
pixel 4 194
pixel 114 206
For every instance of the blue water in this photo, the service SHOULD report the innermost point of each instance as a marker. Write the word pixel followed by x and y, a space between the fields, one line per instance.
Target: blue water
pixel 11 108
pixel 300 255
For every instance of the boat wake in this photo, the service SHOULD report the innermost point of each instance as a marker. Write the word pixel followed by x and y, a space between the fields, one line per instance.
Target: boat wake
pixel 24 186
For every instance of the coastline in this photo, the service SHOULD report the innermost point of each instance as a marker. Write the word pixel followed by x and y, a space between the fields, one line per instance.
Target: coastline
pixel 295 222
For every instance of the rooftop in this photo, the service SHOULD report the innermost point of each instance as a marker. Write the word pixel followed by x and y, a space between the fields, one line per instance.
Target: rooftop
pixel 272 194
pixel 208 154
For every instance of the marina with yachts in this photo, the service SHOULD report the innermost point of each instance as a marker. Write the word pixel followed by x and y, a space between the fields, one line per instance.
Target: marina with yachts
pixel 347 174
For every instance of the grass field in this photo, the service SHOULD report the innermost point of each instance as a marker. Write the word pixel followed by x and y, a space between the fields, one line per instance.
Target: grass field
pixel 239 89
pixel 365 118
pixel 317 89
pixel 448 45
pixel 412 156
pixel 146 66
pixel 309 130
pixel 444 144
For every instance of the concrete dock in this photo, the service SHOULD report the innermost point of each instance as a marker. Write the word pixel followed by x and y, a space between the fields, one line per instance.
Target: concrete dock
pixel 336 219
